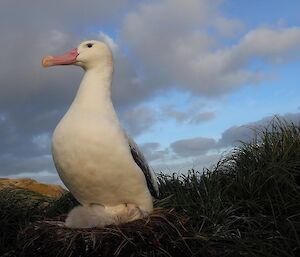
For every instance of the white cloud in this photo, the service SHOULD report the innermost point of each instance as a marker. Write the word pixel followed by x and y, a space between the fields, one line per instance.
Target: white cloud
pixel 270 43
pixel 179 48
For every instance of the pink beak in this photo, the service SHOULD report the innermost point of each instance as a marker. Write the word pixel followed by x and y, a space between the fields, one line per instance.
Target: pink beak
pixel 65 59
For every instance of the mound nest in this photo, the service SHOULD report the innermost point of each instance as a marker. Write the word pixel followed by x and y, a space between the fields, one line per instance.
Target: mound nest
pixel 164 233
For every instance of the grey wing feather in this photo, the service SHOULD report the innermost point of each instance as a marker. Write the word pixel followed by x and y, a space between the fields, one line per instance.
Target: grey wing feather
pixel 140 160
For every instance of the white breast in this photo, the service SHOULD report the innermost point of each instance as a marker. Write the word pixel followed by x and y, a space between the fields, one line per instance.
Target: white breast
pixel 93 161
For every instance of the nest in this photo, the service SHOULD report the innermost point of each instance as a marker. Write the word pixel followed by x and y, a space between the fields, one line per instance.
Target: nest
pixel 164 233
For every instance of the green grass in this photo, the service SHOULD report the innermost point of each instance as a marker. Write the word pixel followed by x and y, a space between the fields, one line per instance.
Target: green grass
pixel 247 205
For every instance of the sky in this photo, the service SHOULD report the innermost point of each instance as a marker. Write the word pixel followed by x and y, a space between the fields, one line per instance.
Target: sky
pixel 191 77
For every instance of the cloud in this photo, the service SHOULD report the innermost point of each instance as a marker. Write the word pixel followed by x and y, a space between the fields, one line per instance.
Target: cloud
pixel 11 165
pixel 128 88
pixel 183 45
pixel 202 117
pixel 180 116
pixel 228 27
pixel 66 14
pixel 235 134
pixel 152 151
pixel 246 133
pixel 183 165
pixel 193 146
pixel 192 115
pixel 202 152
pixel 230 137
pixel 138 120
pixel 270 44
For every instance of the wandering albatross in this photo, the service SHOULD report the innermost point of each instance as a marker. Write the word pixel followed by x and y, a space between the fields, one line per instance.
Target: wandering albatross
pixel 97 161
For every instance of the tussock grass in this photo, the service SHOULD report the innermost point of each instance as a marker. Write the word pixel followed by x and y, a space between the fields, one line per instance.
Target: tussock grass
pixel 247 205
pixel 18 208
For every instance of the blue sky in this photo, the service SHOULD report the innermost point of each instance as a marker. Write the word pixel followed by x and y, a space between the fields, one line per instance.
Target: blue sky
pixel 256 13
pixel 190 76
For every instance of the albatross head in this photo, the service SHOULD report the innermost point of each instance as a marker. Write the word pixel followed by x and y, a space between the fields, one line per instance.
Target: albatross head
pixel 89 54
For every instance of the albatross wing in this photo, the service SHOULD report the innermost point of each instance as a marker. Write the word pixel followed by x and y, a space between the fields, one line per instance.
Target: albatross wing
pixel 140 160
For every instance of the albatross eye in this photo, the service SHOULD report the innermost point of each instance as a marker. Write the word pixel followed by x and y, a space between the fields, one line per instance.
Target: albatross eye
pixel 89 45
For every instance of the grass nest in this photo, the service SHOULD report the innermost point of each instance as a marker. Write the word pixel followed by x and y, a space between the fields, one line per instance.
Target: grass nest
pixel 164 233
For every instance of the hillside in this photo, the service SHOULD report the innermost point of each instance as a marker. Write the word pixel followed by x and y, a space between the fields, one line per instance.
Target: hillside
pixel 32 185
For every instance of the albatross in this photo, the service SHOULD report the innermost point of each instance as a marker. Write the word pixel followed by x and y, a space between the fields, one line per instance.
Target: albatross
pixel 95 158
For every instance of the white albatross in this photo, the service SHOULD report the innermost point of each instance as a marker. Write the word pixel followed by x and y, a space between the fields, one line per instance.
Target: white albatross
pixel 100 165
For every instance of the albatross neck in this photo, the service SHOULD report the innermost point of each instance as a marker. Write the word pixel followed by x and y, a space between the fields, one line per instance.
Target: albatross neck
pixel 94 93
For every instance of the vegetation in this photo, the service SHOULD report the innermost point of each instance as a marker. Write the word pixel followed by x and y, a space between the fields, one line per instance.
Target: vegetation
pixel 247 205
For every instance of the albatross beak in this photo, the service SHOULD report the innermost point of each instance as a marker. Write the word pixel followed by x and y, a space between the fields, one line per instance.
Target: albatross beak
pixel 65 59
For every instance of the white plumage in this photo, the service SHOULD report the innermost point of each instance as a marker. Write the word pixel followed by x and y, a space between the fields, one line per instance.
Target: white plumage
pixel 101 166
